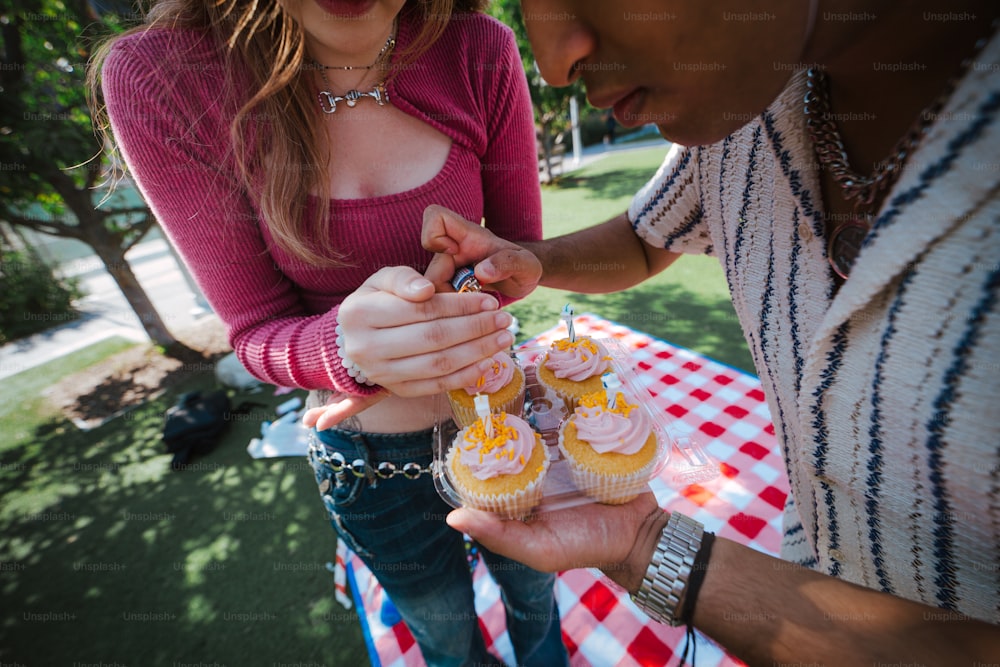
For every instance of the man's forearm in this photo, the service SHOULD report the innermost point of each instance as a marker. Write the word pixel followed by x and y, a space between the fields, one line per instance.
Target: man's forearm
pixel 604 258
pixel 768 611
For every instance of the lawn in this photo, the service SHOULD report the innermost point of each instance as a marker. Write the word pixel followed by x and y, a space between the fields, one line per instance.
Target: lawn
pixel 688 304
pixel 110 557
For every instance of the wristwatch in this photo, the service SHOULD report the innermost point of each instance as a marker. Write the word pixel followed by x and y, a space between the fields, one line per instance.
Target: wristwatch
pixel 662 590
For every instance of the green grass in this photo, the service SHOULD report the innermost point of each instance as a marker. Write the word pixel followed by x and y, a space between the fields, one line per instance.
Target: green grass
pixel 688 304
pixel 109 556
pixel 22 406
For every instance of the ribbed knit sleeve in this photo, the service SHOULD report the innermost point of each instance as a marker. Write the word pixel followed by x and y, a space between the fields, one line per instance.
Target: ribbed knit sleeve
pixel 511 194
pixel 165 91
pixel 167 116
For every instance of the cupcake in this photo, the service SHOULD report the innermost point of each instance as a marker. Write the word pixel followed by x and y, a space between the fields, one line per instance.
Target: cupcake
pixel 503 385
pixel 572 369
pixel 611 453
pixel 502 473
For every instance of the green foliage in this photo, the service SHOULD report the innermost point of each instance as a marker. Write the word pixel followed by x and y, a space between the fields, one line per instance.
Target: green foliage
pixel 551 105
pixel 51 160
pixel 44 125
pixel 31 298
pixel 97 529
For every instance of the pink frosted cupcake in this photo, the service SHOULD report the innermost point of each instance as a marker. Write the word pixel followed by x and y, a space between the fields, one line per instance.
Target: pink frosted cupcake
pixel 503 384
pixel 502 473
pixel 611 452
pixel 573 369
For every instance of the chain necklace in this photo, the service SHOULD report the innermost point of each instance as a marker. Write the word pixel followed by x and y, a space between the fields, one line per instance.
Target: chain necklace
pixel 847 236
pixel 328 100
pixel 390 43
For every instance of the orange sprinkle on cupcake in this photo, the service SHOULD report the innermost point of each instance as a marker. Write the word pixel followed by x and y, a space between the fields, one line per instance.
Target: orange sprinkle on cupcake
pixel 599 399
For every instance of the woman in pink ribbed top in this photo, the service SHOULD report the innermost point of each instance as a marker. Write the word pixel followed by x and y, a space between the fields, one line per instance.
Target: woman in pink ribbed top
pixel 289 150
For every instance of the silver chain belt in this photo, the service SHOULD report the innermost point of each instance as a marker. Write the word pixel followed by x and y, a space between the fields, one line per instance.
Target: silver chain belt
pixel 361 469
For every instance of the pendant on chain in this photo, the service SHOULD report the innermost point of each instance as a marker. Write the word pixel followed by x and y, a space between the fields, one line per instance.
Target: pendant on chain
pixel 328 101
pixel 845 243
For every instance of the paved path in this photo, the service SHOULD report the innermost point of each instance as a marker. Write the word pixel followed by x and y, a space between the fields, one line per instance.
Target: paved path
pixel 591 154
pixel 105 313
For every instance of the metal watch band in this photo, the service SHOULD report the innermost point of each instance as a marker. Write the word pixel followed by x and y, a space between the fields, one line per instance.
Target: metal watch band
pixel 662 589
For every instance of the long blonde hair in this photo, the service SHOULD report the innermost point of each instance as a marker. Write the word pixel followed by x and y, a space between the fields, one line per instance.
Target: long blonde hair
pixel 262 38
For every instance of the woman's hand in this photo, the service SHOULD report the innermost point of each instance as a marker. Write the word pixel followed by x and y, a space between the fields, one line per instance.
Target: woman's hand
pixel 413 341
pixel 501 266
pixel 331 414
pixel 618 539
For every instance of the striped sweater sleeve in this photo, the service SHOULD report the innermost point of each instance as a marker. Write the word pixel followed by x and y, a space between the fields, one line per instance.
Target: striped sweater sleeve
pixel 667 212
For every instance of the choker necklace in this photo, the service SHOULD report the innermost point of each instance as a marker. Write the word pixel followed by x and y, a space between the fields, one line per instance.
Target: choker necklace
pixel 328 101
pixel 390 43
pixel 847 236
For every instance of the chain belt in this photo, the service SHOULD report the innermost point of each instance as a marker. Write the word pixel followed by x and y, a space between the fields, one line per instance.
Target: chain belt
pixel 361 469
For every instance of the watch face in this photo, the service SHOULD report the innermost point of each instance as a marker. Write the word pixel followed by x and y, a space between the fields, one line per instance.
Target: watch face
pixel 845 245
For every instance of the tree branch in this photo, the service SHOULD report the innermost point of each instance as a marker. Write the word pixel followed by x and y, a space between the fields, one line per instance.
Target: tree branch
pixel 50 227
pixel 138 231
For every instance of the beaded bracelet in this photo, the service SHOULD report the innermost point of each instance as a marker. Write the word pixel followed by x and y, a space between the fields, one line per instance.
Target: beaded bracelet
pixel 352 368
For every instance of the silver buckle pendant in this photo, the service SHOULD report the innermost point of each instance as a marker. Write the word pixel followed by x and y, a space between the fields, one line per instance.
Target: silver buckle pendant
pixel 328 101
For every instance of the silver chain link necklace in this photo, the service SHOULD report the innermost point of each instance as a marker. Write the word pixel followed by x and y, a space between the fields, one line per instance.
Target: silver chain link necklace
pixel 847 236
pixel 328 101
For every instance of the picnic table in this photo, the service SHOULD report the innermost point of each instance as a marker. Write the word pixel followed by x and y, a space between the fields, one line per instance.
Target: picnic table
pixel 725 410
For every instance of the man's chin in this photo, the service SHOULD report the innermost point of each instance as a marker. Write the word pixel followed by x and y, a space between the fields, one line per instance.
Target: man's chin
pixel 696 134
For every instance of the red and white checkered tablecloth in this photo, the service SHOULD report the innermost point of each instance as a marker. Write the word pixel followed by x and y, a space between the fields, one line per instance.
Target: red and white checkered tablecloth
pixel 726 412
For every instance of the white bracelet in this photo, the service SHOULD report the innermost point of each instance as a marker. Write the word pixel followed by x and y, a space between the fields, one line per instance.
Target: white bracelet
pixel 352 368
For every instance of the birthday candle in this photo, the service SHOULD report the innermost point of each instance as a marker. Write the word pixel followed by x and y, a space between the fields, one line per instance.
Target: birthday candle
pixel 483 410
pixel 567 316
pixel 611 386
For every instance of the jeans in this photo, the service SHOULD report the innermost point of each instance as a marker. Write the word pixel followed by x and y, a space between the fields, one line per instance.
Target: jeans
pixel 396 526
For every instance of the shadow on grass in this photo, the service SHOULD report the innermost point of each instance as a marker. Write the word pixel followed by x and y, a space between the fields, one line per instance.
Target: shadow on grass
pixel 121 388
pixel 670 312
pixel 604 185
pixel 111 557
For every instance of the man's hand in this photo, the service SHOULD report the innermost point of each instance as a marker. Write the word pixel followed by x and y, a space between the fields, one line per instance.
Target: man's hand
pixel 501 266
pixel 618 539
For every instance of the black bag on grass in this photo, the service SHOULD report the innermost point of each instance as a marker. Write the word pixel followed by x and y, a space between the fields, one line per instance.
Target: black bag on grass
pixel 193 426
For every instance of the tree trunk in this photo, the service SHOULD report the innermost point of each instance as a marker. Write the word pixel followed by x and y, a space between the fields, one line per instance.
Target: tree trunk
pixel 547 148
pixel 546 144
pixel 547 163
pixel 114 260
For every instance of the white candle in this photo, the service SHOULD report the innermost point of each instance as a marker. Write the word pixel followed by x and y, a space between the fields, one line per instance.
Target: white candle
pixel 483 410
pixel 567 316
pixel 611 386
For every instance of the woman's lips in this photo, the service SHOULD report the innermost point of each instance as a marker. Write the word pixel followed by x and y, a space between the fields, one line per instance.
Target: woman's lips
pixel 346 8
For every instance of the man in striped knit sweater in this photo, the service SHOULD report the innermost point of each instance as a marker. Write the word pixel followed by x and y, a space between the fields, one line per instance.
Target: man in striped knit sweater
pixel 877 349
